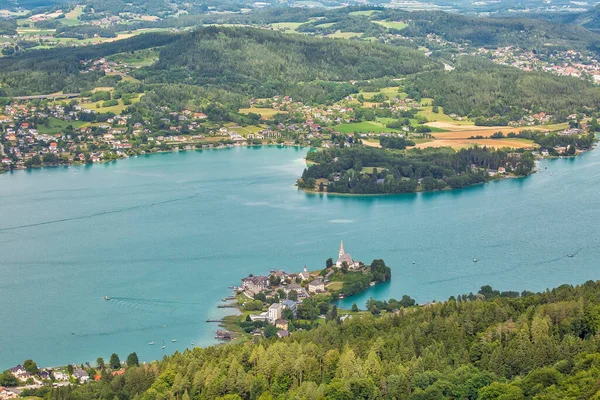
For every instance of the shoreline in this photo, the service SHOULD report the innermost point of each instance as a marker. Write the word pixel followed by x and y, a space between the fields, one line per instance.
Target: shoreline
pixel 79 164
pixel 535 171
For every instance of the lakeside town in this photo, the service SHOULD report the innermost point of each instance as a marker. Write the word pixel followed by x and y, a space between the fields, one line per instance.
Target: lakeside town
pixel 99 128
pixel 272 306
pixel 279 303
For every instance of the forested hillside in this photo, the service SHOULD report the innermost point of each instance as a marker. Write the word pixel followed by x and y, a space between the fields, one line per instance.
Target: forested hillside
pixel 263 63
pixel 520 32
pixel 53 70
pixel 479 88
pixel 486 346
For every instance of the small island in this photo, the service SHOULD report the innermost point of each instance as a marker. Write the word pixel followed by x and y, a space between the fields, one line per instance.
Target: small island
pixel 280 302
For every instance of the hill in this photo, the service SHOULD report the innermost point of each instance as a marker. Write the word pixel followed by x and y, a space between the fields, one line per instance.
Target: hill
pixel 262 63
pixel 479 88
pixel 487 346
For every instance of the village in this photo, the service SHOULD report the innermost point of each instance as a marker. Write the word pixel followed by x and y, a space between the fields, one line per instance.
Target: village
pixel 28 376
pixel 279 303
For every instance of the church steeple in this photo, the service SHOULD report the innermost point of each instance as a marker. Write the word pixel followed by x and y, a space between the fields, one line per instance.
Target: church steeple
pixel 342 252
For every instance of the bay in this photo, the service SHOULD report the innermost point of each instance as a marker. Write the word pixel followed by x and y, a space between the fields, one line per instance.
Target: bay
pixel 165 235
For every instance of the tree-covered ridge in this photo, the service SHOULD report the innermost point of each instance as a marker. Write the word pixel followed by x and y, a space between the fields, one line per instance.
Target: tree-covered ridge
pixel 480 88
pixel 366 170
pixel 54 70
pixel 8 26
pixel 264 63
pixel 486 346
pixel 477 31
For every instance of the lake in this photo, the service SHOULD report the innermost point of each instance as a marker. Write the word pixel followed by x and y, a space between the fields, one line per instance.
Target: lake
pixel 165 235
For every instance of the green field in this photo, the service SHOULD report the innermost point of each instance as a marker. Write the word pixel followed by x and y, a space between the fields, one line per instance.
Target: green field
pixel 343 35
pixel 287 26
pixel 142 58
pixel 118 109
pixel 56 125
pixel 366 12
pixel 392 24
pixel 71 18
pixel 440 117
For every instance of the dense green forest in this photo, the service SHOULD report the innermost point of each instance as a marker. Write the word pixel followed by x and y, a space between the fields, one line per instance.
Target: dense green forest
pixel 400 171
pixel 263 63
pixel 8 26
pixel 486 346
pixel 53 70
pixel 481 88
pixel 494 32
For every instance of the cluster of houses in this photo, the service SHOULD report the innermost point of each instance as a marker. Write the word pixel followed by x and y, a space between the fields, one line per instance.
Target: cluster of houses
pixel 304 284
pixel 564 63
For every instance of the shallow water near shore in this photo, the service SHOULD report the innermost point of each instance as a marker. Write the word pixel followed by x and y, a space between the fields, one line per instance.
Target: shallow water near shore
pixel 165 235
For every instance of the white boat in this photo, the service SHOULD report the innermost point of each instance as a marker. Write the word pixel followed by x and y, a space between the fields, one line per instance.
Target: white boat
pixel 163 346
pixel 173 340
pixel 151 343
pixel 474 260
pixel 106 298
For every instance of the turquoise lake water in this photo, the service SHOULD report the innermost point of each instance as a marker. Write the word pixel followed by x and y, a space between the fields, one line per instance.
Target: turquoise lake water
pixel 165 235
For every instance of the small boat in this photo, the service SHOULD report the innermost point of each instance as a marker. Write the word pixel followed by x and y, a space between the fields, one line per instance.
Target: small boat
pixel 193 343
pixel 151 343
pixel 569 255
pixel 474 260
pixel 173 340
pixel 372 284
pixel 106 298
pixel 413 262
pixel 163 346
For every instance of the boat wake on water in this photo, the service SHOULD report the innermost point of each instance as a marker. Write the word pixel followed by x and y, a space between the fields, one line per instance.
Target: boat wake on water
pixel 149 305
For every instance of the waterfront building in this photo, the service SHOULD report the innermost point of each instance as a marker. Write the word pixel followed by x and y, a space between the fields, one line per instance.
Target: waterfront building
pixel 346 257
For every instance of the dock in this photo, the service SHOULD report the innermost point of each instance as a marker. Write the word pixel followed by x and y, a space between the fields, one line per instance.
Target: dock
pixel 224 299
pixel 214 320
pixel 227 306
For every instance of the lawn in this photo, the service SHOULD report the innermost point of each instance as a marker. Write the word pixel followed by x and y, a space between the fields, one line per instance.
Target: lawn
pixel 335 285
pixel 244 130
pixel 56 125
pixel 392 24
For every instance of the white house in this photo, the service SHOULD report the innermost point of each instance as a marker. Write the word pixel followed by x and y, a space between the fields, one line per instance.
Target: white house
pixel 274 312
pixel 316 286
pixel 60 376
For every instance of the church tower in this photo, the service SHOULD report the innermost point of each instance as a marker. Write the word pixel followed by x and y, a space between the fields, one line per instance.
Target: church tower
pixel 341 249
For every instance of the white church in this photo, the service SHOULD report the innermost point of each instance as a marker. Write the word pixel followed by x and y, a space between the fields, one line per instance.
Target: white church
pixel 343 256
